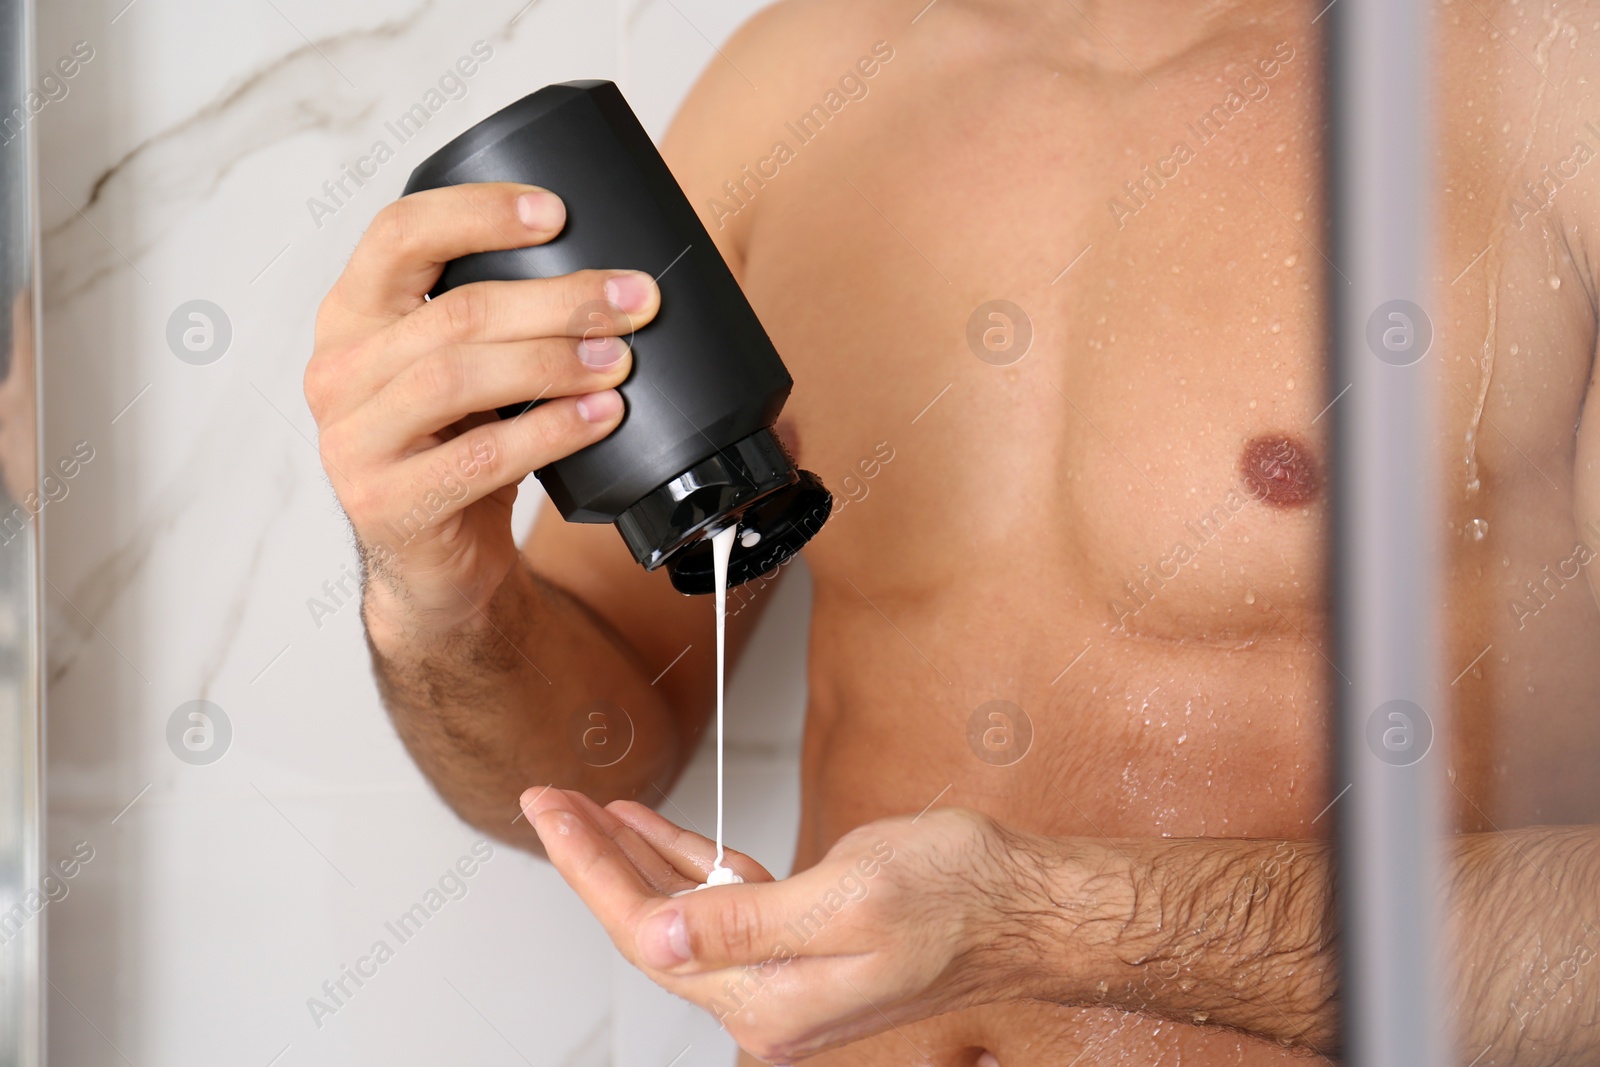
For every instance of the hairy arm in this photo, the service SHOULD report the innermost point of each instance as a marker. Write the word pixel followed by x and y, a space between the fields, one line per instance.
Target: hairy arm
pixel 1224 932
pixel 541 691
pixel 582 670
pixel 1242 934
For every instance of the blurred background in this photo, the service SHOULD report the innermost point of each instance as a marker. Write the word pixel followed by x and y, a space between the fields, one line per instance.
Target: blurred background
pixel 216 746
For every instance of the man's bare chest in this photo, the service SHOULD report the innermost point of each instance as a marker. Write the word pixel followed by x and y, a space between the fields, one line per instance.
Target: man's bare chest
pixel 1111 384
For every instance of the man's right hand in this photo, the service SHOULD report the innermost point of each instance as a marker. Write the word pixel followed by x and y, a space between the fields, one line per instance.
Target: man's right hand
pixel 403 390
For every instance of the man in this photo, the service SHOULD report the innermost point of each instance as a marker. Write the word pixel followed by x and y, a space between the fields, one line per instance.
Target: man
pixel 1116 531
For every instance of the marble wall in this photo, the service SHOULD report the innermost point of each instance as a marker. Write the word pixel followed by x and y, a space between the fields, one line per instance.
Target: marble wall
pixel 181 162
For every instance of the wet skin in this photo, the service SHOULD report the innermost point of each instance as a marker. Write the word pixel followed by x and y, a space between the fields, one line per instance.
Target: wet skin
pixel 1122 532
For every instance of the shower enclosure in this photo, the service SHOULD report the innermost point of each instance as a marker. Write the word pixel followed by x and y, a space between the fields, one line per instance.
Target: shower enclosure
pixel 24 887
pixel 1384 582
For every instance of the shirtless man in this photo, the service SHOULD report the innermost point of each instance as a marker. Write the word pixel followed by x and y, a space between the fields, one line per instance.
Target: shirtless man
pixel 1119 532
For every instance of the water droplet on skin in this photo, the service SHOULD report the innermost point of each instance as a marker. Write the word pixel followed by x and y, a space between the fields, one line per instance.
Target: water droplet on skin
pixel 1291 259
pixel 1477 529
pixel 1250 597
pixel 1474 484
pixel 1514 348
pixel 1252 405
pixel 1275 327
pixel 1555 281
pixel 1289 385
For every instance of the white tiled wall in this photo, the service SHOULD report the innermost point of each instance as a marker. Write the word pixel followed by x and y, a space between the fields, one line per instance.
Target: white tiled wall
pixel 220 897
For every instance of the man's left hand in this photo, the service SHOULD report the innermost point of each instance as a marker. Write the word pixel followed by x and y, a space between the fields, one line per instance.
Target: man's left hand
pixel 903 919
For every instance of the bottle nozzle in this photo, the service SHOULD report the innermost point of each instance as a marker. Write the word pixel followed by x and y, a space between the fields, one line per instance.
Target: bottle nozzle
pixel 753 483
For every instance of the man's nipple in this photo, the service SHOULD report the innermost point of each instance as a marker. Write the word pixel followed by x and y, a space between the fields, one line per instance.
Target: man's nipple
pixel 1280 469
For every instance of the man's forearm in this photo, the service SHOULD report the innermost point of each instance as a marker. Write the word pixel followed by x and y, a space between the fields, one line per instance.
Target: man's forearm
pixel 1524 931
pixel 1220 932
pixel 537 692
pixel 1242 934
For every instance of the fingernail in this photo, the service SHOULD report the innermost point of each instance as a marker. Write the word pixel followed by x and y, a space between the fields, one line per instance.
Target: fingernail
pixel 664 940
pixel 541 211
pixel 601 406
pixel 598 353
pixel 629 291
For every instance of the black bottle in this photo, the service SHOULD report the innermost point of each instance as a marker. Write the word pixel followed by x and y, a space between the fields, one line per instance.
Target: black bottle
pixel 695 451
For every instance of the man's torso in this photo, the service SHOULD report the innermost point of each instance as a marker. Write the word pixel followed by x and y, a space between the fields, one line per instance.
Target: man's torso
pixel 1121 533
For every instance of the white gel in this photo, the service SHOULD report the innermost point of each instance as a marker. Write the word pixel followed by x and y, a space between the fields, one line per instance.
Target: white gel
pixel 722 876
pixel 721 549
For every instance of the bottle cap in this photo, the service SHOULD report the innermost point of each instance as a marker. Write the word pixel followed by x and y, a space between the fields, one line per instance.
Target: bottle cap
pixel 753 483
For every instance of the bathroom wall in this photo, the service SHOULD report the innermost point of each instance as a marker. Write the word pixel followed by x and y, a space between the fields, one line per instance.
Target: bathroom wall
pixel 232 863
